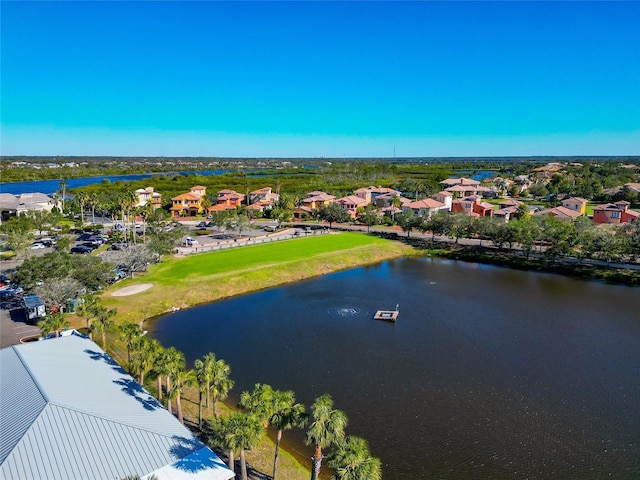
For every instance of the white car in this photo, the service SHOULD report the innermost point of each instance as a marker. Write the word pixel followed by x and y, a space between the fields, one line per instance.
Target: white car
pixel 190 242
pixel 37 246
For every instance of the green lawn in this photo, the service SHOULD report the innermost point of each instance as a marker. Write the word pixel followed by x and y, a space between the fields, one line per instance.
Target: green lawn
pixel 207 277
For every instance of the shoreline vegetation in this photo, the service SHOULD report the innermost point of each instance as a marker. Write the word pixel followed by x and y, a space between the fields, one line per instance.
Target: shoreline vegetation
pixel 186 281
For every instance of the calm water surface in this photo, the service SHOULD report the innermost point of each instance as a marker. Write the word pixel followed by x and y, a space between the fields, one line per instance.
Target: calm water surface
pixel 489 372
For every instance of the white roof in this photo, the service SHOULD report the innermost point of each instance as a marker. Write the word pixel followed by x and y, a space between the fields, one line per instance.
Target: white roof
pixel 69 411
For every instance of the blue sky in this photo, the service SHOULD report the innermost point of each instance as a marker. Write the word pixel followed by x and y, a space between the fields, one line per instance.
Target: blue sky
pixel 311 79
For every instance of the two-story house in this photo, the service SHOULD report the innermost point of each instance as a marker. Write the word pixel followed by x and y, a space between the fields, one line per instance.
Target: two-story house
pixel 423 208
pixel 576 204
pixel 147 196
pixel 188 204
pixel 617 212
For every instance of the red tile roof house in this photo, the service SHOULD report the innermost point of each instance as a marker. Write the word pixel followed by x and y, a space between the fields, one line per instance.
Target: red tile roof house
pixel 370 194
pixel 264 197
pixel 148 196
pixel 617 212
pixel 351 204
pixel 444 197
pixel 472 206
pixel 317 199
pixel 188 204
pixel 634 187
pixel 563 213
pixel 423 208
pixel 230 198
pixel 505 213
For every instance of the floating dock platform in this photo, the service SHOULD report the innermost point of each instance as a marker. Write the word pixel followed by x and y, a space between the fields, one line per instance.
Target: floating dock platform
pixel 388 315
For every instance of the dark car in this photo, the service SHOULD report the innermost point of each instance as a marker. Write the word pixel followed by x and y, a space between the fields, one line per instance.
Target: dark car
pixel 84 237
pixel 119 245
pixel 82 249
pixel 10 292
pixel 4 280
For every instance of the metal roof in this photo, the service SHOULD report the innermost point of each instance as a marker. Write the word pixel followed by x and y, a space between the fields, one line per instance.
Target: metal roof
pixel 69 411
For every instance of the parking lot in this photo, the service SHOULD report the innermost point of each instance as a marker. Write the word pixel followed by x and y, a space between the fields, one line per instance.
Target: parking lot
pixel 12 323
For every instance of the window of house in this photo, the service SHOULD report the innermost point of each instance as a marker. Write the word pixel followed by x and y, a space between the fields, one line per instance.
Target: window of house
pixel 615 214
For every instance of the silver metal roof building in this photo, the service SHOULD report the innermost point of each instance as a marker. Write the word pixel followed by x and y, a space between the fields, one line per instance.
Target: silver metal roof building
pixel 69 411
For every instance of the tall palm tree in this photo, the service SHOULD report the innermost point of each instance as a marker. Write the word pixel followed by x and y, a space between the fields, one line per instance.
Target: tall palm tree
pixel 53 322
pixel 203 378
pixel 93 201
pixel 87 309
pixel 63 193
pixel 104 315
pixel 259 403
pixel 286 415
pixel 327 426
pixel 144 354
pixel 244 433
pixel 181 378
pixel 352 460
pixel 209 361
pixel 175 362
pixel 130 332
pixel 82 197
pixel 220 383
pixel 161 366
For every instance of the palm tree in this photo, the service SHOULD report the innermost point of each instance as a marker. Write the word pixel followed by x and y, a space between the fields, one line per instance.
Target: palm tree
pixel 103 315
pixel 130 332
pixel 93 201
pixel 181 379
pixel 82 197
pixel 327 426
pixel 144 354
pixel 202 369
pixel 352 460
pixel 87 309
pixel 174 362
pixel 287 415
pixel 161 366
pixel 63 193
pixel 244 433
pixel 220 383
pixel 53 323
pixel 259 403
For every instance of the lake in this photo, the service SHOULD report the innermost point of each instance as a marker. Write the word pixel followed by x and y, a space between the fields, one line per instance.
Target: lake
pixel 488 373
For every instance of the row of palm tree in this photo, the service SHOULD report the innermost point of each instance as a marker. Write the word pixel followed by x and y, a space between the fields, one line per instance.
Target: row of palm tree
pixel 260 409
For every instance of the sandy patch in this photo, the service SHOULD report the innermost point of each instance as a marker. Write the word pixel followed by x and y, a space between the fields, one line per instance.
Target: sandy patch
pixel 132 290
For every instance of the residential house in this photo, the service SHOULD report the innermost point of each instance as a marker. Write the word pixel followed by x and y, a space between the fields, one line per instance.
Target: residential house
pixel 188 204
pixel 264 197
pixel 444 197
pixel 472 206
pixel 147 196
pixel 423 208
pixel 12 205
pixel 230 198
pixel 634 187
pixel 317 199
pixel 69 411
pixel 351 204
pixel 576 204
pixel 617 212
pixel 370 194
pixel 562 212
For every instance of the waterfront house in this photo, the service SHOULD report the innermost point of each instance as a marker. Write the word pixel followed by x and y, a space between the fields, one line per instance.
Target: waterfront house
pixel 12 205
pixel 69 411
pixel 264 198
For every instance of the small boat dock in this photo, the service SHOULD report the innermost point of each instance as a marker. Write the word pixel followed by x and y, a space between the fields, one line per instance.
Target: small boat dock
pixel 388 315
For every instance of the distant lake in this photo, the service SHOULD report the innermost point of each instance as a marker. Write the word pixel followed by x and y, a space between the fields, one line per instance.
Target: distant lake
pixel 49 187
pixel 488 373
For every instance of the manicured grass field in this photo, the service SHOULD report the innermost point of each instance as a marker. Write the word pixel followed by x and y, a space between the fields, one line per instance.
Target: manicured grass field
pixel 207 277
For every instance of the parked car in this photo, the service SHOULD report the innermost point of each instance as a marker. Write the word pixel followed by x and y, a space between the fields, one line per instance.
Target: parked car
pixel 10 291
pixel 83 237
pixel 190 242
pixel 82 249
pixel 119 245
pixel 37 246
pixel 202 225
pixel 48 242
pixel 4 280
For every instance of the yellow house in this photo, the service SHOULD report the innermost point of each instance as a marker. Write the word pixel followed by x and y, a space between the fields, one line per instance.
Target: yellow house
pixel 576 204
pixel 188 204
